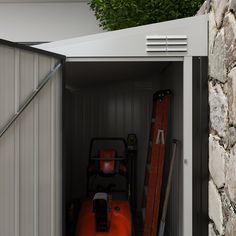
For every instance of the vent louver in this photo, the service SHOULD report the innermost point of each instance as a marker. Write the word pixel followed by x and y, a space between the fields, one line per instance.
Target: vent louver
pixel 168 43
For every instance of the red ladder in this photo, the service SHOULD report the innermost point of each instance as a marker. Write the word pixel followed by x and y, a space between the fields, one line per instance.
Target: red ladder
pixel 155 161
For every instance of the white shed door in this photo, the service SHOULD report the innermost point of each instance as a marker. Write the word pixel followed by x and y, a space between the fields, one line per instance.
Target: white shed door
pixel 30 150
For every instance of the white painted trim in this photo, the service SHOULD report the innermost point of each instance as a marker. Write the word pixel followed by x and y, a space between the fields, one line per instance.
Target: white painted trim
pixel 187 147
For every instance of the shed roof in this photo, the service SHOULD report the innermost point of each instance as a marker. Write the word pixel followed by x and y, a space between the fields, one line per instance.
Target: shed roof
pixel 140 41
pixel 32 49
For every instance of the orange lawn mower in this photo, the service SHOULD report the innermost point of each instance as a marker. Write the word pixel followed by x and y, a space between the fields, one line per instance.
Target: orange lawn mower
pixel 107 211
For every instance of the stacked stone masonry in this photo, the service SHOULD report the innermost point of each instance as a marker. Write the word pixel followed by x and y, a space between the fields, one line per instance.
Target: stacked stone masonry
pixel 222 104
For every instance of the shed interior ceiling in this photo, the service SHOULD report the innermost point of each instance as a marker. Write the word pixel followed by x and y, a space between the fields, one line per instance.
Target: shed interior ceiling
pixel 87 74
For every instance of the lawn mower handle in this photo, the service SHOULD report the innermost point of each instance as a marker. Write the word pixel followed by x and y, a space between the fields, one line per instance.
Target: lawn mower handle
pixel 106 139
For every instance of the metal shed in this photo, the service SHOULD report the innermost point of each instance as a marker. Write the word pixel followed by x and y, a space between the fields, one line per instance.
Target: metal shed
pixel 107 84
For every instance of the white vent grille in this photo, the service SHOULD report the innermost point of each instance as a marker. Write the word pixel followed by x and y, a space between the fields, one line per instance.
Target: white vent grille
pixel 168 43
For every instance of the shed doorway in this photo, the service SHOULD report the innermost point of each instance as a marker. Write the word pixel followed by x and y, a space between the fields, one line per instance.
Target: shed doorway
pixel 114 99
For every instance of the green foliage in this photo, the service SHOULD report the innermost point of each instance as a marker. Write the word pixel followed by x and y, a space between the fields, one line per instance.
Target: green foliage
pixel 119 14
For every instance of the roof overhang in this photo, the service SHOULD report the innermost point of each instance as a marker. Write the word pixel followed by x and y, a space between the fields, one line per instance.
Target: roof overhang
pixel 177 38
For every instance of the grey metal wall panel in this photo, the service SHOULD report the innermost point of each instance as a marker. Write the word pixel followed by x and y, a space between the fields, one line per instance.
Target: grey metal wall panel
pixel 7 83
pixel 7 184
pixel 30 151
pixel 200 146
pixel 26 74
pixel 172 78
pixel 7 145
pixel 44 66
pixel 26 173
pixel 44 158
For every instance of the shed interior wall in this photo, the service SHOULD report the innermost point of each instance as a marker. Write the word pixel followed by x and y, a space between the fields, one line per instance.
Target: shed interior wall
pixel 115 99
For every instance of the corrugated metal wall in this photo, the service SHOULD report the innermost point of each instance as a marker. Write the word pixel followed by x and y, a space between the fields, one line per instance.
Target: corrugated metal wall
pixel 30 151
pixel 113 110
pixel 172 78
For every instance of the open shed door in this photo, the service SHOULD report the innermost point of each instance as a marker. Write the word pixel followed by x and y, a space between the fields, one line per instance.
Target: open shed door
pixel 30 147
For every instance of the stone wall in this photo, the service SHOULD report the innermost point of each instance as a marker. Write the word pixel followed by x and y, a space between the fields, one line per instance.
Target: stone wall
pixel 222 104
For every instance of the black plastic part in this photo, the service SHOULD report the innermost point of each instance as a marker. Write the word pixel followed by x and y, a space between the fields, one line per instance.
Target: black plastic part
pixel 132 141
pixel 200 146
pixel 100 208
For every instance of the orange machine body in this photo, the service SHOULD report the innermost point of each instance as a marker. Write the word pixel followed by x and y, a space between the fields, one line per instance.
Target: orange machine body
pixel 120 219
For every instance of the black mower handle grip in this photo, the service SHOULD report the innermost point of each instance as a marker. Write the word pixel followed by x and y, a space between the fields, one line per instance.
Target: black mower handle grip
pixel 106 139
